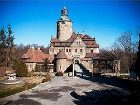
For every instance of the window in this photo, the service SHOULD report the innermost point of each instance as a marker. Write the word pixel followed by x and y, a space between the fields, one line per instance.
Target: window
pixel 75 50
pixel 91 50
pixel 80 50
pixel 78 43
pixel 69 50
pixel 66 50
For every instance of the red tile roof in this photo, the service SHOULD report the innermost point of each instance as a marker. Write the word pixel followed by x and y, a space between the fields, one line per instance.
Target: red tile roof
pixel 89 42
pixel 34 55
pixel 61 55
pixel 91 55
pixel 54 40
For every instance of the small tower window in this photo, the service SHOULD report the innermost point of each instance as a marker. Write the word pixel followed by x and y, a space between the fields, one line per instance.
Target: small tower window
pixel 80 50
pixel 75 50
pixel 91 50
pixel 69 50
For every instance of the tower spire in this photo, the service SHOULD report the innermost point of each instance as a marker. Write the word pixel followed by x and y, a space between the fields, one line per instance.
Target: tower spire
pixel 64 15
pixel 64 11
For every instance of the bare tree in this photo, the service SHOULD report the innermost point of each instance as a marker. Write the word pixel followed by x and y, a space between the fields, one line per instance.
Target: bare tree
pixel 137 67
pixel 125 50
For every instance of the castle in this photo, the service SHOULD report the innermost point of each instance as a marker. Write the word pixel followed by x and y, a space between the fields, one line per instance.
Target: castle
pixel 69 47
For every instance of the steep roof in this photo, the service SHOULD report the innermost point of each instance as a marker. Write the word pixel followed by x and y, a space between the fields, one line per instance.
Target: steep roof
pixel 91 55
pixel 34 55
pixel 89 42
pixel 61 55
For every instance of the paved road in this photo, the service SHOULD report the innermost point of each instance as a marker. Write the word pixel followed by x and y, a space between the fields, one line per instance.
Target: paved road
pixel 67 91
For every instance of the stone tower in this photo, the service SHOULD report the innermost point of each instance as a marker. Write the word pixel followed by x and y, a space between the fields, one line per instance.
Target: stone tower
pixel 64 26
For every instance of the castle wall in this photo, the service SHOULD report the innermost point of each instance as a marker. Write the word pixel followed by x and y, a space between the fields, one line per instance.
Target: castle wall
pixel 88 64
pixel 62 65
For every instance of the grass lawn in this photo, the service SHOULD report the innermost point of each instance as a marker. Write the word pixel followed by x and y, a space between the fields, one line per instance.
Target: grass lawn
pixel 7 90
pixel 30 82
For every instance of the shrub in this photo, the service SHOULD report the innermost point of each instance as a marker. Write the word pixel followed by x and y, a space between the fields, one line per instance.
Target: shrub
pixel 59 74
pixel 20 68
pixel 48 78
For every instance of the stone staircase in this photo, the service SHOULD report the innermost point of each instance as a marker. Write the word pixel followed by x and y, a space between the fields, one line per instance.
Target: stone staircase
pixel 80 70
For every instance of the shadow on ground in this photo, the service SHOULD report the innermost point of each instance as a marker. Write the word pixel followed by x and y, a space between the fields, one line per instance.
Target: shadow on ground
pixel 111 96
pixel 104 97
pixel 23 102
pixel 50 94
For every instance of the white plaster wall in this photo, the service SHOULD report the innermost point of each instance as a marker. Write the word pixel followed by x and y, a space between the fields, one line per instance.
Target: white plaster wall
pixel 95 50
pixel 30 66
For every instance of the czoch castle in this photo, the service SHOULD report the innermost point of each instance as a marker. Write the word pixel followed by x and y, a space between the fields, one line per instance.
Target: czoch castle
pixel 66 49
pixel 69 47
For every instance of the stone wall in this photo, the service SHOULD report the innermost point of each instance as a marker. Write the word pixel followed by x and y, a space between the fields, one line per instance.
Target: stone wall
pixel 64 30
pixel 88 64
pixel 62 65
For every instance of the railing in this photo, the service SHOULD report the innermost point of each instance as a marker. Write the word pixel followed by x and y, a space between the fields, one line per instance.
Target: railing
pixel 116 74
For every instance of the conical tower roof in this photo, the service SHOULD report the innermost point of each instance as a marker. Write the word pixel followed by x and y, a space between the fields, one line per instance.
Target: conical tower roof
pixel 61 55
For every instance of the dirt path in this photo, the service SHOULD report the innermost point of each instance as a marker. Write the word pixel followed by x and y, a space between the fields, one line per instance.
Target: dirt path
pixel 67 91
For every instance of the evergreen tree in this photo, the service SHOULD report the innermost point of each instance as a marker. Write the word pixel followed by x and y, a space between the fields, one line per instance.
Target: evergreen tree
pixel 46 62
pixel 21 68
pixel 10 47
pixel 6 47
pixel 3 48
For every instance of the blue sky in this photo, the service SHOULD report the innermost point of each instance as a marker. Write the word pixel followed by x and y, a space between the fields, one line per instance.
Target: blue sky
pixel 34 21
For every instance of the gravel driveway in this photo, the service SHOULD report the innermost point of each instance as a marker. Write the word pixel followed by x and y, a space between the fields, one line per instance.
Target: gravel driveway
pixel 68 91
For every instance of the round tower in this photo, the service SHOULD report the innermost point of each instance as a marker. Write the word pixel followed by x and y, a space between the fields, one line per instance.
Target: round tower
pixel 61 63
pixel 64 26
